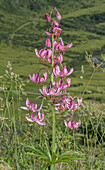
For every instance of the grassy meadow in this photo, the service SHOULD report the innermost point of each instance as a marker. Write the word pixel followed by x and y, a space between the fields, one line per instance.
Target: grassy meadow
pixel 22 29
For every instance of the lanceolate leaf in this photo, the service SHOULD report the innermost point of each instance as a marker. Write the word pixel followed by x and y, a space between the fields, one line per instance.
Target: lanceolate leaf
pixel 48 149
pixel 37 150
pixel 39 156
pixel 67 159
pixel 67 153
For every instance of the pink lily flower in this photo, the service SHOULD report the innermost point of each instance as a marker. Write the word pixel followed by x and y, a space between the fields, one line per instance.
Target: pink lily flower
pixel 62 73
pixel 60 46
pixel 72 124
pixel 47 17
pixel 62 85
pixel 56 61
pixel 69 103
pixel 38 78
pixel 47 52
pixel 50 92
pixel 32 106
pixel 38 118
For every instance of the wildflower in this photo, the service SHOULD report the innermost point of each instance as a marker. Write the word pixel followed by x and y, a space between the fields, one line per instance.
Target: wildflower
pixel 38 118
pixel 45 53
pixel 37 78
pixel 60 46
pixel 68 103
pixel 32 106
pixel 63 72
pixel 51 91
pixel 72 124
pixel 57 60
pixel 62 85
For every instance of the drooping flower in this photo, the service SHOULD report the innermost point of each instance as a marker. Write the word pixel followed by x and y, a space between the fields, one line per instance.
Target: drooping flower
pixel 62 85
pixel 37 78
pixel 32 107
pixel 37 118
pixel 60 46
pixel 72 124
pixel 63 72
pixel 67 103
pixel 57 60
pixel 50 91
pixel 45 52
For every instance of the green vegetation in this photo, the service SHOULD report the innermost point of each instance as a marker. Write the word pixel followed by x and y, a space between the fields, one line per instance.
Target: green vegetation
pixel 22 29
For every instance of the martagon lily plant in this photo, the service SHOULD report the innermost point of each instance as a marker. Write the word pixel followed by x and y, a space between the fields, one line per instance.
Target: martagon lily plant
pixel 55 94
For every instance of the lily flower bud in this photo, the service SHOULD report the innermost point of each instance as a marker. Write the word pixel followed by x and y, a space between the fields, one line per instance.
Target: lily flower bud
pixel 58 15
pixel 47 17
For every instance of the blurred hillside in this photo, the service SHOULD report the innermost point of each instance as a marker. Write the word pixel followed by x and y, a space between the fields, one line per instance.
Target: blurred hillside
pixel 23 27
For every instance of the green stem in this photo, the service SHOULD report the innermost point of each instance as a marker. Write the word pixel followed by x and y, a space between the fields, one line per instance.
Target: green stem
pixel 53 130
pixel 53 112
pixel 88 83
pixel 53 135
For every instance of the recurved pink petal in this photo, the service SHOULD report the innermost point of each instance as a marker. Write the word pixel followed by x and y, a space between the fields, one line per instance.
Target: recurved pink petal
pixel 56 23
pixel 49 53
pixel 61 42
pixel 27 102
pixel 65 70
pixel 41 123
pixel 43 54
pixel 48 42
pixel 70 125
pixel 65 123
pixel 36 52
pixel 70 71
pixel 68 81
pixel 25 108
pixel 42 117
pixel 48 33
pixel 60 58
pixel 79 101
pixel 29 119
pixel 45 76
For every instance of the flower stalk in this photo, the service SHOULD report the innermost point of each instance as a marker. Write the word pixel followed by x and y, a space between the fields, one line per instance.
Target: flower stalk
pixel 52 76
